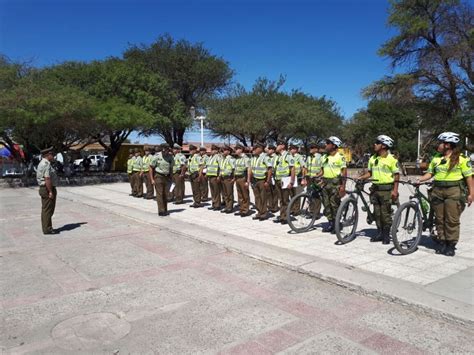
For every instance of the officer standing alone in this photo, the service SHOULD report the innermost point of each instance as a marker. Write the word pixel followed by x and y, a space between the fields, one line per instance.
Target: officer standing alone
pixel 47 180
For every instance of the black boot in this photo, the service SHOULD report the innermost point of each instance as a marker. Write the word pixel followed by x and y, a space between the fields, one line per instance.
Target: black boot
pixel 386 235
pixel 329 227
pixel 450 249
pixel 377 237
pixel 441 247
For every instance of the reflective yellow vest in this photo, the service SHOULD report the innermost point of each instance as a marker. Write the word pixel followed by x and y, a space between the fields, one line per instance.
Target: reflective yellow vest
pixel 259 167
pixel 314 164
pixel 212 165
pixel 195 164
pixel 130 165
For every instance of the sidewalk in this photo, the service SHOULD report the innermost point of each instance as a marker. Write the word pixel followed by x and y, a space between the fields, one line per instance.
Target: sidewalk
pixel 423 279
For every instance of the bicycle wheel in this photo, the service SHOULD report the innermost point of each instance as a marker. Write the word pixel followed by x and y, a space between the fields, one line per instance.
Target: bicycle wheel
pixel 347 218
pixel 406 228
pixel 304 219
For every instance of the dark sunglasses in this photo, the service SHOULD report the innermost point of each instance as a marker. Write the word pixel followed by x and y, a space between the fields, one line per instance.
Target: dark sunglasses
pixel 378 142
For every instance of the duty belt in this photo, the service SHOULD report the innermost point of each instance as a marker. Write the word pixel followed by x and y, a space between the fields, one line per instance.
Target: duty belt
pixel 239 176
pixel 164 175
pixel 382 187
pixel 447 183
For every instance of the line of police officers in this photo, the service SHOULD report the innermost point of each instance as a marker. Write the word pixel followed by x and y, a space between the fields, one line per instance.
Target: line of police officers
pixel 277 174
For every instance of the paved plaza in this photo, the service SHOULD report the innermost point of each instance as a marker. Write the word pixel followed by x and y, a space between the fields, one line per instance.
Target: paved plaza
pixel 120 279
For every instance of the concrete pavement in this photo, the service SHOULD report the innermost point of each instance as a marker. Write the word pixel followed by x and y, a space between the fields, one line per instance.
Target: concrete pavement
pixel 424 279
pixel 110 283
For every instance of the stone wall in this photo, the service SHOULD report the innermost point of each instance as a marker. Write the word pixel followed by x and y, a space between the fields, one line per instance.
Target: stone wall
pixel 99 178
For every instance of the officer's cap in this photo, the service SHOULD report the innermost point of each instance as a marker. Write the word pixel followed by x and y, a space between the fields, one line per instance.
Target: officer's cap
pixel 47 151
pixel 281 142
pixel 176 146
pixel 314 145
pixel 164 146
pixel 239 146
pixel 131 151
pixel 202 149
pixel 259 145
pixel 136 150
pixel 214 147
pixel 271 146
pixel 192 147
pixel 226 147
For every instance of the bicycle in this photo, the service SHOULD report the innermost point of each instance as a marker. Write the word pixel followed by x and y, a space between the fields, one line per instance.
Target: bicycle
pixel 411 219
pixel 305 218
pixel 347 216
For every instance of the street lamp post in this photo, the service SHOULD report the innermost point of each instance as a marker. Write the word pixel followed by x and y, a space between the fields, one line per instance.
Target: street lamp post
pixel 200 118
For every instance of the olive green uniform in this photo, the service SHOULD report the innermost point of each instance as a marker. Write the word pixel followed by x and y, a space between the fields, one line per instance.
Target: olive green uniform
pixel 147 160
pixel 283 169
pixel 226 170
pixel 242 164
pixel 212 173
pixel 205 181
pixel 272 200
pixel 383 171
pixel 130 173
pixel 260 165
pixel 48 205
pixel 332 167
pixel 195 165
pixel 163 166
pixel 178 179
pixel 448 197
pixel 137 177
pixel 313 164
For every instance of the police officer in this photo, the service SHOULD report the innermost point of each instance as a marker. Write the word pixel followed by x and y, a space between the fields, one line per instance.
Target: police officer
pixel 260 178
pixel 333 171
pixel 284 169
pixel 179 171
pixel 226 175
pixel 196 166
pixel 162 166
pixel 241 175
pixel 383 168
pixel 131 159
pixel 205 180
pixel 147 160
pixel 313 169
pixel 452 182
pixel 137 174
pixel 212 172
pixel 47 180
pixel 300 171
pixel 272 200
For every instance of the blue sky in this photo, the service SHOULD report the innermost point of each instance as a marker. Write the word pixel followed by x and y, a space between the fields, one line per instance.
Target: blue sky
pixel 323 47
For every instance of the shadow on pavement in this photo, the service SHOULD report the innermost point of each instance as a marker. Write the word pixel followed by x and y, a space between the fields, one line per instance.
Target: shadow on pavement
pixel 70 227
pixel 176 210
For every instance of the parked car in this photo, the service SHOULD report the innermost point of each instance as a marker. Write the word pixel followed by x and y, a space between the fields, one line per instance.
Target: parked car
pixel 95 160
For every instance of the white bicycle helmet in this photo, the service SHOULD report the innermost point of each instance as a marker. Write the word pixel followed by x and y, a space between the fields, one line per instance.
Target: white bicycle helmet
pixel 334 140
pixel 386 140
pixel 449 137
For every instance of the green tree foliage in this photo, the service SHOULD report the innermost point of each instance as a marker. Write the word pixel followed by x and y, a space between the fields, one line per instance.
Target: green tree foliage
pixel 434 46
pixel 128 98
pixel 383 117
pixel 193 73
pixel 267 113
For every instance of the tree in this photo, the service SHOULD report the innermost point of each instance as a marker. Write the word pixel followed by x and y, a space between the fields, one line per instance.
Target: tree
pixel 383 117
pixel 129 98
pixel 38 114
pixel 266 113
pixel 435 44
pixel 193 73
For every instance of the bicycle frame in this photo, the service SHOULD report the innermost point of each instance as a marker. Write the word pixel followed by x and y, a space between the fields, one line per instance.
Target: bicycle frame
pixel 359 193
pixel 426 216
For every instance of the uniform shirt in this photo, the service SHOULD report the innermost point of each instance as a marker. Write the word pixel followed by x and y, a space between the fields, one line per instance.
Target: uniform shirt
pixel 314 163
pixel 147 161
pixel 333 165
pixel 138 164
pixel 260 165
pixel 46 170
pixel 179 161
pixel 299 163
pixel 242 164
pixel 284 163
pixel 213 165
pixel 383 169
pixel 163 164
pixel 195 163
pixel 130 165
pixel 227 165
pixel 439 168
